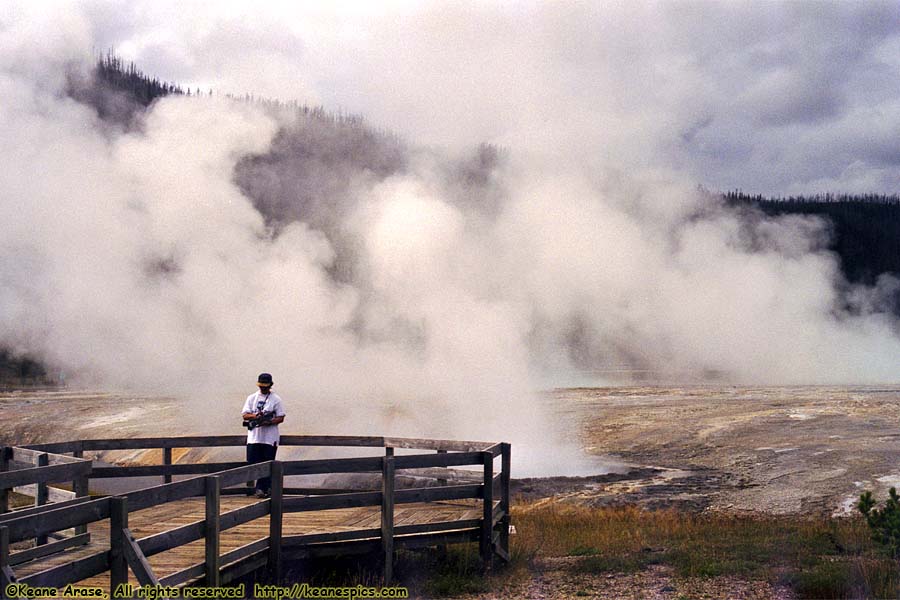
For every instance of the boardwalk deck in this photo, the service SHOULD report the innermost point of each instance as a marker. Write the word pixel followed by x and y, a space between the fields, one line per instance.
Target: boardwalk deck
pixel 175 514
pixel 188 532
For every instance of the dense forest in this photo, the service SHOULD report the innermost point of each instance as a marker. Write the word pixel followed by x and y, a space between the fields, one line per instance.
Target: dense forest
pixel 317 159
pixel 865 229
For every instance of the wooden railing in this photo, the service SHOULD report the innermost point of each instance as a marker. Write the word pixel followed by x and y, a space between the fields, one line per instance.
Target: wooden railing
pixel 491 531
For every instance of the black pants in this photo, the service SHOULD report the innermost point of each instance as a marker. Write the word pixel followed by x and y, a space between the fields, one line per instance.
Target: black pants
pixel 257 453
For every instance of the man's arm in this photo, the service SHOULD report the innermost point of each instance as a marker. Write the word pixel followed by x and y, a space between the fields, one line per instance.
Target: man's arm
pixel 248 415
pixel 277 420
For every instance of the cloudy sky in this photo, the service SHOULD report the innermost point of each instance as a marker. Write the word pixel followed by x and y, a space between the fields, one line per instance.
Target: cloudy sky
pixel 769 97
pixel 132 257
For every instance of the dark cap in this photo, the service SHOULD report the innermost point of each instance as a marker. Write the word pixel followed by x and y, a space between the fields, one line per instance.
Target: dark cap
pixel 264 379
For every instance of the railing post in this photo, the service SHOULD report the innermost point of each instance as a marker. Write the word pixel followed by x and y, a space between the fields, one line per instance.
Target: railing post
pixel 167 460
pixel 81 484
pixel 487 525
pixel 118 521
pixel 5 457
pixel 6 574
pixel 505 462
pixel 276 515
pixel 441 481
pixel 211 530
pixel 387 516
pixel 42 492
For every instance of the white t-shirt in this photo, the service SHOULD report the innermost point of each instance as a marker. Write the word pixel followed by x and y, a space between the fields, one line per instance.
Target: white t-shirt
pixel 266 434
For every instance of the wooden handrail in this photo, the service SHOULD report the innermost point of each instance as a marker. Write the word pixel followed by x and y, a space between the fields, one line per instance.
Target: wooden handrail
pixel 491 530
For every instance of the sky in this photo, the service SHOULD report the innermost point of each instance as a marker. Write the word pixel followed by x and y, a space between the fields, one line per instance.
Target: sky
pixel 767 97
pixel 131 257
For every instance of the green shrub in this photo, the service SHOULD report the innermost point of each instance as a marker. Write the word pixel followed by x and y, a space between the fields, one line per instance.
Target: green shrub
pixel 884 522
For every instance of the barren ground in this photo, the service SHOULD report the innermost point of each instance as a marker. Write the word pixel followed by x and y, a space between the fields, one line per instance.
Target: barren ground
pixel 775 450
pixel 766 450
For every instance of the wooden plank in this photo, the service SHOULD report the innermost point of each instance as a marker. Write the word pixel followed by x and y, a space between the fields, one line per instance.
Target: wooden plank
pixel 54 495
pixel 369 546
pixel 333 501
pixel 442 480
pixel 55 447
pixel 505 470
pixel 427 444
pixel 168 492
pixel 29 456
pixel 331 440
pixel 142 570
pixel 81 489
pixel 157 470
pixel 243 473
pixel 434 494
pixel 51 474
pixel 450 459
pixel 70 572
pixel 5 458
pixel 165 442
pixel 399 530
pixel 494 449
pixel 245 514
pixel 387 517
pixel 211 531
pixel 166 540
pixel 118 523
pixel 247 565
pixel 276 516
pixel 184 575
pixel 6 573
pixel 244 551
pixel 487 525
pixel 58 519
pixel 332 465
pixel 24 512
pixel 48 549
pixel 41 495
pixel 167 460
pixel 295 491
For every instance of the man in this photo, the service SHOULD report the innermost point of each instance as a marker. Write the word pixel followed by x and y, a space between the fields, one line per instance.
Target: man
pixel 262 439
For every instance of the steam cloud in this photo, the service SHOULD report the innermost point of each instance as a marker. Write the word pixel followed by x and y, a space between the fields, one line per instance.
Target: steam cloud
pixel 430 294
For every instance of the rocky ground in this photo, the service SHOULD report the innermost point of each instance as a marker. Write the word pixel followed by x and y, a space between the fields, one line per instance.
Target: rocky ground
pixel 774 450
pixel 763 450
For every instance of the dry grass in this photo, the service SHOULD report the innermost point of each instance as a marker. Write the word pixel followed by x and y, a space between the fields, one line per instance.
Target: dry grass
pixel 816 557
pixel 812 557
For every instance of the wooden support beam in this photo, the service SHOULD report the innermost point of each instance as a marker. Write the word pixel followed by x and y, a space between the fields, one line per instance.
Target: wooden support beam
pixel 53 473
pixel 5 457
pixel 40 496
pixel 142 570
pixel 48 549
pixel 118 523
pixel 75 570
pixel 167 460
pixel 442 481
pixel 211 531
pixel 387 517
pixel 81 488
pixel 56 519
pixel 6 573
pixel 505 469
pixel 276 522
pixel 487 524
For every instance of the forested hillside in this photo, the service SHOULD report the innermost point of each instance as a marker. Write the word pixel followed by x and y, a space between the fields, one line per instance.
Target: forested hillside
pixel 865 229
pixel 318 160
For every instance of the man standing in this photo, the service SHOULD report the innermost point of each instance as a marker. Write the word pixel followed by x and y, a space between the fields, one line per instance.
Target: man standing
pixel 262 413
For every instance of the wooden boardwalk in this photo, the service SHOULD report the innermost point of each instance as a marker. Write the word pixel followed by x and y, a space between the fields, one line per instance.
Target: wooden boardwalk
pixel 172 515
pixel 204 531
